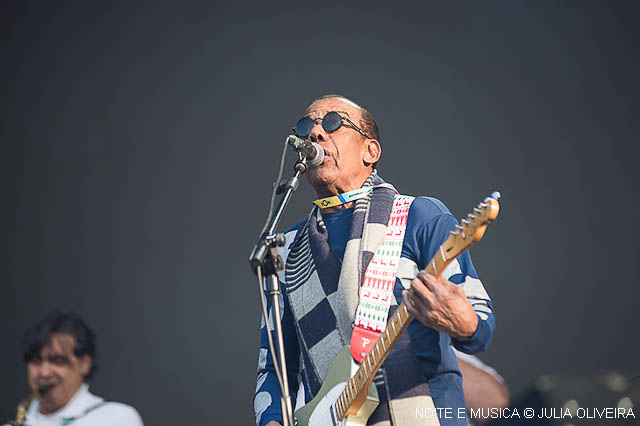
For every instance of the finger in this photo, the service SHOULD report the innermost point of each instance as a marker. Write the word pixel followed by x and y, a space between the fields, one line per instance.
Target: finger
pixel 447 288
pixel 423 300
pixel 419 310
pixel 422 292
pixel 410 304
pixel 431 282
pixel 414 300
pixel 445 283
pixel 406 298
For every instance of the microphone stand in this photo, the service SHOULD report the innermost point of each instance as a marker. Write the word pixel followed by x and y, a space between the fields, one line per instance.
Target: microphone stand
pixel 266 263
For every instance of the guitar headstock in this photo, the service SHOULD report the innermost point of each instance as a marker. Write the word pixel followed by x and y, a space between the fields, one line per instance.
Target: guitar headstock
pixel 472 228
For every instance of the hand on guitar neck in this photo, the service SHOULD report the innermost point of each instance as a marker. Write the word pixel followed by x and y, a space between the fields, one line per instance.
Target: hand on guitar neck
pixel 441 305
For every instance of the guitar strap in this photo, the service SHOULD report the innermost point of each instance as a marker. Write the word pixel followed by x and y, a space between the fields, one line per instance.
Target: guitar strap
pixel 376 291
pixel 403 389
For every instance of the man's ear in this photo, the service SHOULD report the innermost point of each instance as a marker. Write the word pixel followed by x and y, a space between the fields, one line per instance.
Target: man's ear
pixel 372 152
pixel 85 362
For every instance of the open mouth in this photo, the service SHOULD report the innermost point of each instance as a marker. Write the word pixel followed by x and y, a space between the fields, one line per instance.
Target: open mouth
pixel 45 388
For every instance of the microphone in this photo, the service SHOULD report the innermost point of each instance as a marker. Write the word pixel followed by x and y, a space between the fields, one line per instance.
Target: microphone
pixel 311 150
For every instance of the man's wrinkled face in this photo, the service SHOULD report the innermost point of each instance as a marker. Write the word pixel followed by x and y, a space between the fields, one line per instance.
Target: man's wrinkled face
pixel 58 369
pixel 345 148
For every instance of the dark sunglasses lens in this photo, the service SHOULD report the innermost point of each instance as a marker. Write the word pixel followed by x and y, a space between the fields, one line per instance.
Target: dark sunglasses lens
pixel 304 126
pixel 332 121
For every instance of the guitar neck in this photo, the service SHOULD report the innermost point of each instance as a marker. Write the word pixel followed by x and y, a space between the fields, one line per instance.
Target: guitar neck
pixel 359 384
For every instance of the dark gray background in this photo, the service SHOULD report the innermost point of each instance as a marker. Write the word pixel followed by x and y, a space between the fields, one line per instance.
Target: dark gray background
pixel 139 143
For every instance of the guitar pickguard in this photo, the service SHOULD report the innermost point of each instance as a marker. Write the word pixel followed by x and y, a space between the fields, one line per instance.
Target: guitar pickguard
pixel 318 411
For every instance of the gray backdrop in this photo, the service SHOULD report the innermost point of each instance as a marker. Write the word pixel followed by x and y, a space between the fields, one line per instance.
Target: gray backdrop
pixel 140 140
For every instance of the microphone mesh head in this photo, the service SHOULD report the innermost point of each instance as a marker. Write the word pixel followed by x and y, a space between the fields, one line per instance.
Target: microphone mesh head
pixel 319 157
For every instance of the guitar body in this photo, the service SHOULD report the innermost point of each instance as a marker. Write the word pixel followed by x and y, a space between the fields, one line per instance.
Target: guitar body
pixel 318 411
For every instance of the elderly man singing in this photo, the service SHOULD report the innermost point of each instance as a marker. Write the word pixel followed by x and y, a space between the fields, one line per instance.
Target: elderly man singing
pixel 330 299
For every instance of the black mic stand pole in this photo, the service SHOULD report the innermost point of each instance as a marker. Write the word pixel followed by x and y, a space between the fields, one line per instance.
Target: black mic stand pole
pixel 266 263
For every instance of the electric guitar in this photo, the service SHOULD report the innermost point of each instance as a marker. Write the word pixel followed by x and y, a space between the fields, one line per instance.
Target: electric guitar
pixel 346 398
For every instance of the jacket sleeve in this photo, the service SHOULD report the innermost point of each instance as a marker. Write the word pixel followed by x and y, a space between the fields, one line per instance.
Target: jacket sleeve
pixel 266 401
pixel 479 299
pixel 429 235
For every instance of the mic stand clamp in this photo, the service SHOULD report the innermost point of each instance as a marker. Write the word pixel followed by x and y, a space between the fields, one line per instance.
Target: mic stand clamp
pixel 267 263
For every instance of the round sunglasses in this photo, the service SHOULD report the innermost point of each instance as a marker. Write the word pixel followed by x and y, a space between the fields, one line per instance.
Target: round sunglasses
pixel 331 122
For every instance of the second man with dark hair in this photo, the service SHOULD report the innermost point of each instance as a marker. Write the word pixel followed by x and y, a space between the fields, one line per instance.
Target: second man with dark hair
pixel 59 352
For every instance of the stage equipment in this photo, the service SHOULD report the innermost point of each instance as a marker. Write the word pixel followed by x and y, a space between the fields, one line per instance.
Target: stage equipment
pixel 608 398
pixel 266 262
pixel 21 410
pixel 313 151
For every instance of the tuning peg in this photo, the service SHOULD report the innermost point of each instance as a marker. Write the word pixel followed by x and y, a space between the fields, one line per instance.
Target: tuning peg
pixel 465 221
pixel 459 230
pixel 471 216
pixel 495 195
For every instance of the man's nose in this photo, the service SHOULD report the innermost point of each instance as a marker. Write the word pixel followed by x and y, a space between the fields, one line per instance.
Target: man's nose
pixel 44 369
pixel 318 134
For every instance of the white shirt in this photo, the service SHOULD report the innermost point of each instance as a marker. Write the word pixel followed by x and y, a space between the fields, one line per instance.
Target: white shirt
pixel 88 410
